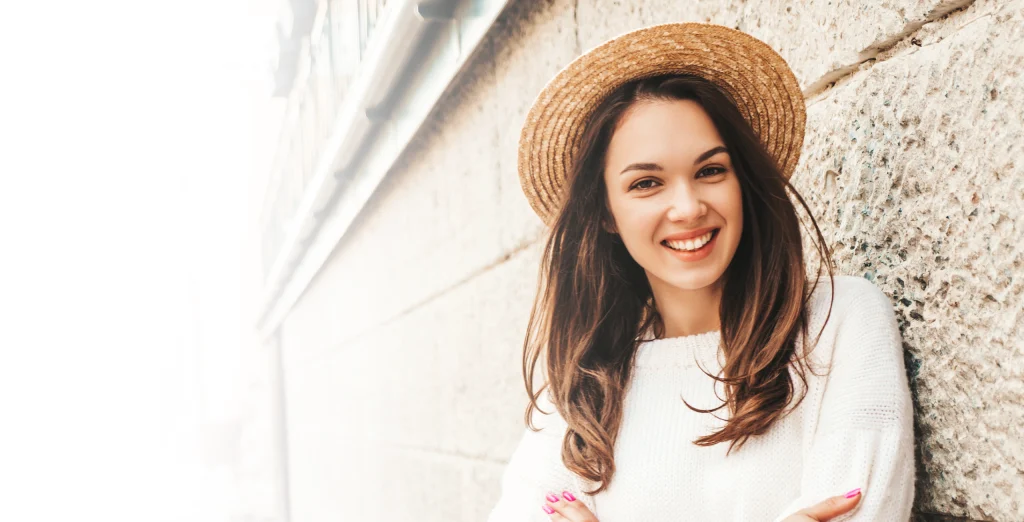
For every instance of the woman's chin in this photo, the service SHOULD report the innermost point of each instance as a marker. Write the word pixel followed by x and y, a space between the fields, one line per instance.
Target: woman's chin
pixel 687 279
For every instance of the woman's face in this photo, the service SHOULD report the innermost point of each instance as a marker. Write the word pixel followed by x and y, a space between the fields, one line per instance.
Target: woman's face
pixel 668 177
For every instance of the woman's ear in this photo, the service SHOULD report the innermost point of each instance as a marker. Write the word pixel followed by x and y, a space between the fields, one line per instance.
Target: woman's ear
pixel 609 226
pixel 607 219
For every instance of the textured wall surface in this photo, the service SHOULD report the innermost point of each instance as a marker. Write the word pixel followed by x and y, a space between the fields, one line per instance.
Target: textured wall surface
pixel 402 360
pixel 925 199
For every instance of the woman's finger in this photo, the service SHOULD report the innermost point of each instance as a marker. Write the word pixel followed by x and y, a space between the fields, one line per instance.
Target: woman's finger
pixel 833 506
pixel 566 508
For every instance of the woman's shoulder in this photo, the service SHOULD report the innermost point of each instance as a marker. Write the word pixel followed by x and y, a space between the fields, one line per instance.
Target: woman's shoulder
pixel 860 311
pixel 851 295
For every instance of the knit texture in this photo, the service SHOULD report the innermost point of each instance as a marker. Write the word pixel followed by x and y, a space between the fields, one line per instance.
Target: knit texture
pixel 854 429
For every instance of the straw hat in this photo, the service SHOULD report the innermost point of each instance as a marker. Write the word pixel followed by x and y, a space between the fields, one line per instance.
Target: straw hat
pixel 757 79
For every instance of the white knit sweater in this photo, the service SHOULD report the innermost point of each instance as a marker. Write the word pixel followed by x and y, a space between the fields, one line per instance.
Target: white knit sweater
pixel 854 429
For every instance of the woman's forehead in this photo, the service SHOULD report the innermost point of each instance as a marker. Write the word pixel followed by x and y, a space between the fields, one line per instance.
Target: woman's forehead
pixel 669 131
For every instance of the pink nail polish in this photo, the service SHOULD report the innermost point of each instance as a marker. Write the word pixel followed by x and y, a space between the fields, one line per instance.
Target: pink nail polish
pixel 552 497
pixel 853 493
pixel 547 509
pixel 568 496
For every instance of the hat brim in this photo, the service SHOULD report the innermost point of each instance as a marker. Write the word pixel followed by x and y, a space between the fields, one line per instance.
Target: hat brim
pixel 758 80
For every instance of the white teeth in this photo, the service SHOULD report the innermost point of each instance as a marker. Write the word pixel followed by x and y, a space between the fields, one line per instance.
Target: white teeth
pixel 690 244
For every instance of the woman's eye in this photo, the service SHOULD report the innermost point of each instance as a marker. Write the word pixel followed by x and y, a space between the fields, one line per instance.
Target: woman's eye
pixel 711 171
pixel 641 184
pixel 646 184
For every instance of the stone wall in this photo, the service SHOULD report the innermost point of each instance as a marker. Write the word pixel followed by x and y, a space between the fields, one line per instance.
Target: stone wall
pixel 402 360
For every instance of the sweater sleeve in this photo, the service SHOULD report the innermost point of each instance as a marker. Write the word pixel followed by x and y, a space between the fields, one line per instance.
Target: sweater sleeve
pixel 864 436
pixel 534 469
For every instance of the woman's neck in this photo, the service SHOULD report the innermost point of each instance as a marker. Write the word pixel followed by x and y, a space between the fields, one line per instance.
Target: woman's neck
pixel 687 311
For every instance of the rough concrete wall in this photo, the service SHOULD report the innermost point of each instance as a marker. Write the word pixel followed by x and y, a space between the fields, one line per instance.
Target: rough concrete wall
pixel 916 171
pixel 402 366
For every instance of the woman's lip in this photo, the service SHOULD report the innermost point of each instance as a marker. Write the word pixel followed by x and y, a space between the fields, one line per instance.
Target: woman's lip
pixel 679 237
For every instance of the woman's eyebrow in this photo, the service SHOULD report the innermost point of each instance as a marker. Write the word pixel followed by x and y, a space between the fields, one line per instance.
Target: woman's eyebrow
pixel 708 154
pixel 655 166
pixel 641 166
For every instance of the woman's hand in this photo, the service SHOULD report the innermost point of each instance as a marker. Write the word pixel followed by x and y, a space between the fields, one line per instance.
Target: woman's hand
pixel 827 509
pixel 566 508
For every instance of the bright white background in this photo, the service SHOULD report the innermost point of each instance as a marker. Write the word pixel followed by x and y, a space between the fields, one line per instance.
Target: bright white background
pixel 131 134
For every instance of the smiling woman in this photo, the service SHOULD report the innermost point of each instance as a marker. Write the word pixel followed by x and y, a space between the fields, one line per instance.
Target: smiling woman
pixel 674 312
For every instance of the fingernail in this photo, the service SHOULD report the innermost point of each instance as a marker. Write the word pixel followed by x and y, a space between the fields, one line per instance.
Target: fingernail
pixel 552 497
pixel 853 493
pixel 568 496
pixel 547 509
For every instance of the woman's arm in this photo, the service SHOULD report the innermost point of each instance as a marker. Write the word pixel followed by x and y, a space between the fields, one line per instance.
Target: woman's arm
pixel 865 436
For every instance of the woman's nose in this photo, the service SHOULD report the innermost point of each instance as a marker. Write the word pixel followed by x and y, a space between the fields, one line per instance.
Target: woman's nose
pixel 686 205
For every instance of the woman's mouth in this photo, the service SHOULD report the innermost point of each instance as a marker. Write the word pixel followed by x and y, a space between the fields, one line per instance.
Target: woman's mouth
pixel 693 249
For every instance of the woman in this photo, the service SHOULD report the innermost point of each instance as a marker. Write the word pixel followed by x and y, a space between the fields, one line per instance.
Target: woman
pixel 675 314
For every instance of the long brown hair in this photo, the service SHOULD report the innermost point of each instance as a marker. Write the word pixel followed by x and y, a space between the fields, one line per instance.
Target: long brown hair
pixel 594 301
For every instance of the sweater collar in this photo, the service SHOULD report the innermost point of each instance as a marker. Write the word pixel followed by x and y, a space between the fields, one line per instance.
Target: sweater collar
pixel 679 352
